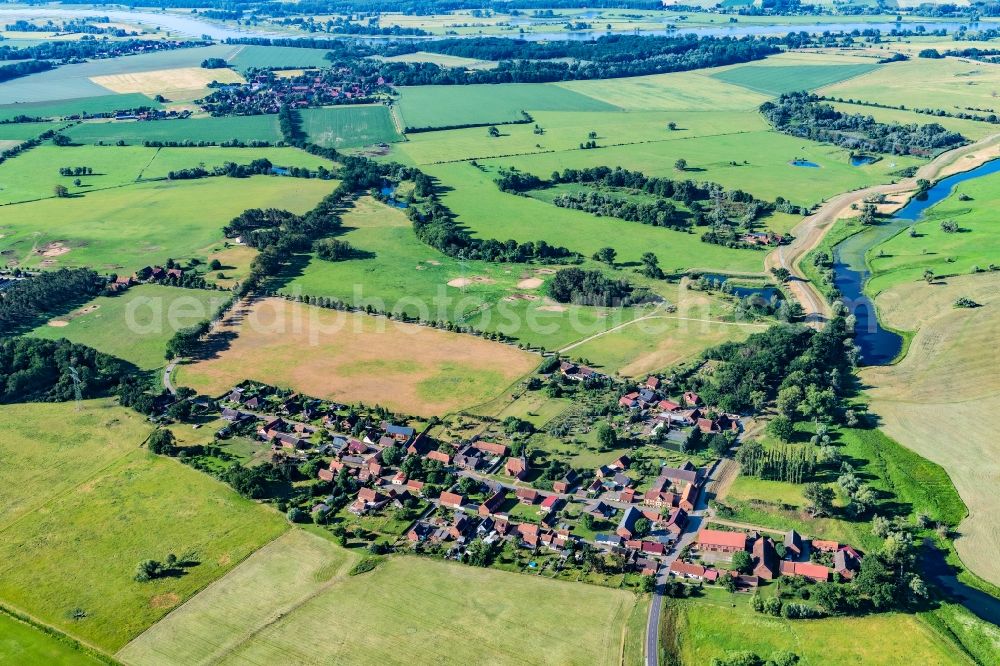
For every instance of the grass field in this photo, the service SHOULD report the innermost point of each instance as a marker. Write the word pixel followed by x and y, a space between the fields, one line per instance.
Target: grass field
pixel 948 83
pixel 711 627
pixel 166 82
pixel 654 344
pixel 21 643
pixel 682 91
pixel 904 258
pixel 565 130
pixel 83 504
pixel 972 129
pixel 75 80
pixel 100 103
pixel 349 126
pixel 127 228
pixel 245 128
pixel 354 357
pixel 18 132
pixel 302 609
pixel 443 60
pixel 490 213
pixel 135 326
pixel 446 106
pixel 934 400
pixel 781 79
pixel 285 57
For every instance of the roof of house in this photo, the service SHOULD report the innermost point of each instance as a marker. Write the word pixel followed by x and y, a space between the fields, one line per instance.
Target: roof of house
pixel 819 544
pixel 708 537
pixel 629 516
pixel 680 474
pixel 451 498
pixel 792 539
pixel 550 501
pixel 687 569
pixel 399 430
pixel 764 555
pixel 527 494
pixel 807 569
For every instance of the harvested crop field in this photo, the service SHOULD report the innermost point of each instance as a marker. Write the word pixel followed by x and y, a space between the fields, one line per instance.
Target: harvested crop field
pixel 934 401
pixel 291 602
pixel 356 357
pixel 165 80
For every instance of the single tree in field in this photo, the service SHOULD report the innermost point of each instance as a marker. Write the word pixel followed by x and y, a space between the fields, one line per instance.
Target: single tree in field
pixel 606 255
pixel 819 497
pixel 592 135
pixel 606 436
pixel 651 266
pixel 672 126
pixel 60 191
pixel 493 131
pixel 681 164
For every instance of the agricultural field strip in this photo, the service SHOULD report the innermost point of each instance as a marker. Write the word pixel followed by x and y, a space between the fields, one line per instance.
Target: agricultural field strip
pixel 578 150
pixel 655 316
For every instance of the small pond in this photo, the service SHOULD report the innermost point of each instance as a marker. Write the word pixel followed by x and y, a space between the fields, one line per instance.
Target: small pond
pixel 804 163
pixel 767 293
pixel 861 160
pixel 389 192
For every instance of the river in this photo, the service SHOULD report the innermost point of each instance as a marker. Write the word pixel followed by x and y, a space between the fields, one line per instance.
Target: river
pixel 195 26
pixel 880 345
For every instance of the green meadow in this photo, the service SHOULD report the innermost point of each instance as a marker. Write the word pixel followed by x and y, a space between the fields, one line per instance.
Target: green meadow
pixel 447 106
pixel 349 126
pixel 244 128
pixel 696 631
pixel 22 131
pixel 136 325
pixel 400 273
pixel 126 228
pixel 83 105
pixel 71 543
pixel 681 91
pixel 21 643
pixel 564 131
pixel 282 57
pixel 973 129
pixel 787 78
pixel 490 213
pixel 975 246
pixel 422 604
pixel 35 173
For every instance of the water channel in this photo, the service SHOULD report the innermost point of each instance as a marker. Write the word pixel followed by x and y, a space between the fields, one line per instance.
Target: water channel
pixel 880 345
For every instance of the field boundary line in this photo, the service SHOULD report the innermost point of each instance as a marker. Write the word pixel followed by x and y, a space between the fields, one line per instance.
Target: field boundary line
pixel 13 611
pixel 211 584
pixel 656 316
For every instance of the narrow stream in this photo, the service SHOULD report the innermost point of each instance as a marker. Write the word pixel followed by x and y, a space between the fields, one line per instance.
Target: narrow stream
pixel 880 345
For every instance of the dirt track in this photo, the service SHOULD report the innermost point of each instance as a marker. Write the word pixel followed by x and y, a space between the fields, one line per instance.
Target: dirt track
pixel 810 231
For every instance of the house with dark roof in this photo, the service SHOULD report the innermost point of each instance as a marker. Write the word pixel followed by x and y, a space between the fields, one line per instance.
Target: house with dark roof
pixel 626 526
pixel 677 522
pixel 793 544
pixel 846 562
pixel 493 503
pixel 399 433
pixel 564 484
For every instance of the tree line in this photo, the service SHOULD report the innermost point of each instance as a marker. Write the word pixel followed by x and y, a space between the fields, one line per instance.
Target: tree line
pixel 802 114
pixel 36 370
pixel 27 302
pixel 590 287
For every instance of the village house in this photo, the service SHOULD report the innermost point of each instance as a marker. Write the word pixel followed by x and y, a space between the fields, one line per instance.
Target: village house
pixel 846 562
pixel 550 503
pixel 696 571
pixel 566 483
pixel 368 500
pixel 415 487
pixel 689 497
pixel 468 458
pixel 440 457
pixel 809 570
pixel 492 504
pixel 765 558
pixel 626 526
pixel 490 448
pixel 793 544
pixel 718 541
pixel 517 467
pixel 686 473
pixel 451 500
pixel 527 495
pixel 600 510
pixel 825 546
pixel 399 433
pixel 419 532
pixel 677 522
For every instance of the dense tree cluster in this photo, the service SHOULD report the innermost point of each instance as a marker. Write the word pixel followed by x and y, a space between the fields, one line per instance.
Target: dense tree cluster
pixel 23 68
pixel 659 212
pixel 586 287
pixel 25 302
pixel 772 364
pixel 261 228
pixel 64 51
pixel 35 370
pixel 802 114
pixel 790 463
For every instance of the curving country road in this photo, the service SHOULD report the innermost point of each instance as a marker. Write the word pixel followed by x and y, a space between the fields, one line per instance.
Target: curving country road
pixel 810 231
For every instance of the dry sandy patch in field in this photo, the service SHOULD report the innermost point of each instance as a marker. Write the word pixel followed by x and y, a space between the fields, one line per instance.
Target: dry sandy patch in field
pixel 166 80
pixel 351 357
pixel 939 400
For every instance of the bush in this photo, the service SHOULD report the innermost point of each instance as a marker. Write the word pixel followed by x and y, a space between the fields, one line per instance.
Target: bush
pixel 365 565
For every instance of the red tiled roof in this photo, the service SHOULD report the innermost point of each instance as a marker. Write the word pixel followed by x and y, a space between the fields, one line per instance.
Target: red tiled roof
pixel 724 539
